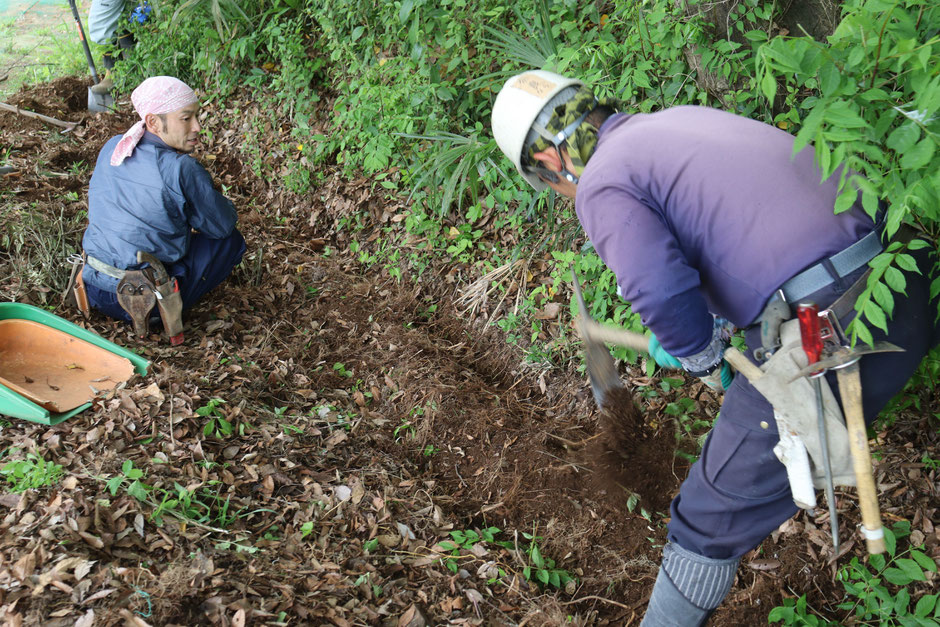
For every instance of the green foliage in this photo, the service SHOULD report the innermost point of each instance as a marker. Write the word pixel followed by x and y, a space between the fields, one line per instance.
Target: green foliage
pixel 867 100
pixel 878 592
pixel 130 479
pixel 216 425
pixel 542 569
pixel 464 541
pixel 538 568
pixel 30 472
pixel 226 14
pixel 225 45
pixel 414 82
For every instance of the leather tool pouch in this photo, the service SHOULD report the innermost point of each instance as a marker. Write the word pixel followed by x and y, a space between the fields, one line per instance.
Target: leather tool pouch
pixel 171 310
pixel 74 293
pixel 81 296
pixel 135 294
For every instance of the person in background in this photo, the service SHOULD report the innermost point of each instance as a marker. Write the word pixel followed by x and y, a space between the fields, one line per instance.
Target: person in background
pixel 104 28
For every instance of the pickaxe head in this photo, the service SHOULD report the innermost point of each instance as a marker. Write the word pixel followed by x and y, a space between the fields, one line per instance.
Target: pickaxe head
pixel 845 357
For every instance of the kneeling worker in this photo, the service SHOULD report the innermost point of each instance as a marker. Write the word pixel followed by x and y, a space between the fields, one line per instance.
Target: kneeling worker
pixel 150 202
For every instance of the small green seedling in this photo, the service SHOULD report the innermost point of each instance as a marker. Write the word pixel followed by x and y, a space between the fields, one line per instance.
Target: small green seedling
pixel 132 476
pixel 31 472
pixel 217 425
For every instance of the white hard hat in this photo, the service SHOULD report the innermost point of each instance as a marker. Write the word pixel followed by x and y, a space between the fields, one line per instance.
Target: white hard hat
pixel 517 106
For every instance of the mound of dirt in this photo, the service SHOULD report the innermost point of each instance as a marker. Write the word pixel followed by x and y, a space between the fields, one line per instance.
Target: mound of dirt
pixel 633 453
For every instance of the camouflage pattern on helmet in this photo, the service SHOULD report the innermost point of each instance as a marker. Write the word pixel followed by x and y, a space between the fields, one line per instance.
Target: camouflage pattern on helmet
pixel 582 142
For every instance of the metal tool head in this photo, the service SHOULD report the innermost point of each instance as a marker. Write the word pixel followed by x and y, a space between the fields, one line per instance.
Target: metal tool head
pixel 845 357
pixel 102 103
pixel 160 275
pixel 135 295
pixel 601 369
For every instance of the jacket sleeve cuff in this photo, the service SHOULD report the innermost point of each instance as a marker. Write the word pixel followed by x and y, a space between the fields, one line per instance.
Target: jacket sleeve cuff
pixel 705 361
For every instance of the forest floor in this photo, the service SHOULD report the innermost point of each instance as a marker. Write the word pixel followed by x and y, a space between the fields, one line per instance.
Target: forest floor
pixel 325 444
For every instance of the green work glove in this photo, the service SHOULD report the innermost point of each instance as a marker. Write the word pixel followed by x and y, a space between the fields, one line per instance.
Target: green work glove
pixel 659 354
pixel 719 379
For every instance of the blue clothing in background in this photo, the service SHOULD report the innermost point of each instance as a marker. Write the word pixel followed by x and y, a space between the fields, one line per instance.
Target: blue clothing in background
pixel 698 210
pixel 152 202
pixel 103 20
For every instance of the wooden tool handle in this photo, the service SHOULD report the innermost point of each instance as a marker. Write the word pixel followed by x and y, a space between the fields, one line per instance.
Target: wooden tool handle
pixel 850 388
pixel 640 343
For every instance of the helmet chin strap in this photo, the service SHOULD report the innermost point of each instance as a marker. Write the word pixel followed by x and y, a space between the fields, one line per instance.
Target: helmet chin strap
pixel 557 140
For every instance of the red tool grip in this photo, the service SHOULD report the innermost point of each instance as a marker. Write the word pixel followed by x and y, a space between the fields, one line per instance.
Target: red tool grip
pixel 810 336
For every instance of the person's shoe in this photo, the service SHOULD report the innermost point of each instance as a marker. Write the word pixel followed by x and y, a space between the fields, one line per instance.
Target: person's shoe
pixel 103 86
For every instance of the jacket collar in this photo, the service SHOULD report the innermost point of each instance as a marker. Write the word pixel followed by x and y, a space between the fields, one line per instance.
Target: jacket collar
pixel 150 138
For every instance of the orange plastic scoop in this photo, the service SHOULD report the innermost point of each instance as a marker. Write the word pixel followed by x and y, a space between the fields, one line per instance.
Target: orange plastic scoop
pixel 53 369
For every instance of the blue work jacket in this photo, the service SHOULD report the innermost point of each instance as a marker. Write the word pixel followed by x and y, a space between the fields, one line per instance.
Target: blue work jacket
pixel 151 202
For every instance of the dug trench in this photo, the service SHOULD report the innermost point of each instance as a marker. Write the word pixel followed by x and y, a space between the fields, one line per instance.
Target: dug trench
pixel 327 428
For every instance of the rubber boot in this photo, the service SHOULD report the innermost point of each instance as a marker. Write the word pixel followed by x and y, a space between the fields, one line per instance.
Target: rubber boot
pixel 104 85
pixel 688 588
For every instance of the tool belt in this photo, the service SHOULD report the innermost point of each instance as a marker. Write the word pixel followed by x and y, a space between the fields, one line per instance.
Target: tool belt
pixel 821 275
pixel 798 416
pixel 833 268
pixel 104 268
pixel 139 290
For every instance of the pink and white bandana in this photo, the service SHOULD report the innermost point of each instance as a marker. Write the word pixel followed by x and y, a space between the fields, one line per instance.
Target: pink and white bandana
pixel 157 95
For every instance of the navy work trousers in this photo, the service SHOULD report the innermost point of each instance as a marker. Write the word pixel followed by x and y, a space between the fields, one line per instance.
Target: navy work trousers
pixel 737 492
pixel 207 264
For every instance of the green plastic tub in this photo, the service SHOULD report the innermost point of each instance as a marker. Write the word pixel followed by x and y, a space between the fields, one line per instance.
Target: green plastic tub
pixel 51 369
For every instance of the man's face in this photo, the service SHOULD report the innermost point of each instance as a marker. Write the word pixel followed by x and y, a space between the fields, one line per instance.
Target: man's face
pixel 179 129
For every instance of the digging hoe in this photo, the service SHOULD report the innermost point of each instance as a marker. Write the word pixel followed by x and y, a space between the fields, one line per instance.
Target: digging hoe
pixel 96 102
pixel 775 389
pixel 600 365
pixel 602 372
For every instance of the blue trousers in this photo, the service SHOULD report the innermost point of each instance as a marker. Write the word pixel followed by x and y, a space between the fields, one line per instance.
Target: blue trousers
pixel 208 263
pixel 737 492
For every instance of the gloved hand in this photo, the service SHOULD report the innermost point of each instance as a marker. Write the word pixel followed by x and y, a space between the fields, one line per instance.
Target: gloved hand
pixel 659 354
pixel 719 379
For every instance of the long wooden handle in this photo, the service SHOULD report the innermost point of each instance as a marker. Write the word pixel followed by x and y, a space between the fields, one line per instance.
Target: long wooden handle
pixel 640 343
pixel 850 388
pixel 45 118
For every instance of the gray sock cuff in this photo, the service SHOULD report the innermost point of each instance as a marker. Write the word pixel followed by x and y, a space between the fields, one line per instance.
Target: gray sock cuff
pixel 702 580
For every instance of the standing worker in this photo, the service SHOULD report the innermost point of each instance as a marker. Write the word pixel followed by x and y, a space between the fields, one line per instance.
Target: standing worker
pixel 148 194
pixel 703 214
pixel 104 17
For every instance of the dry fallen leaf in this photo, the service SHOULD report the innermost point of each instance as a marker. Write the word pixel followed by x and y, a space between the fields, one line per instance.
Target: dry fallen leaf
pixel 24 567
pixel 87 620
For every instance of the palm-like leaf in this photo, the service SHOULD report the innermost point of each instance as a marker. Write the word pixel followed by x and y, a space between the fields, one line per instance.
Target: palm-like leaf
pixel 224 13
pixel 534 49
pixel 456 166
